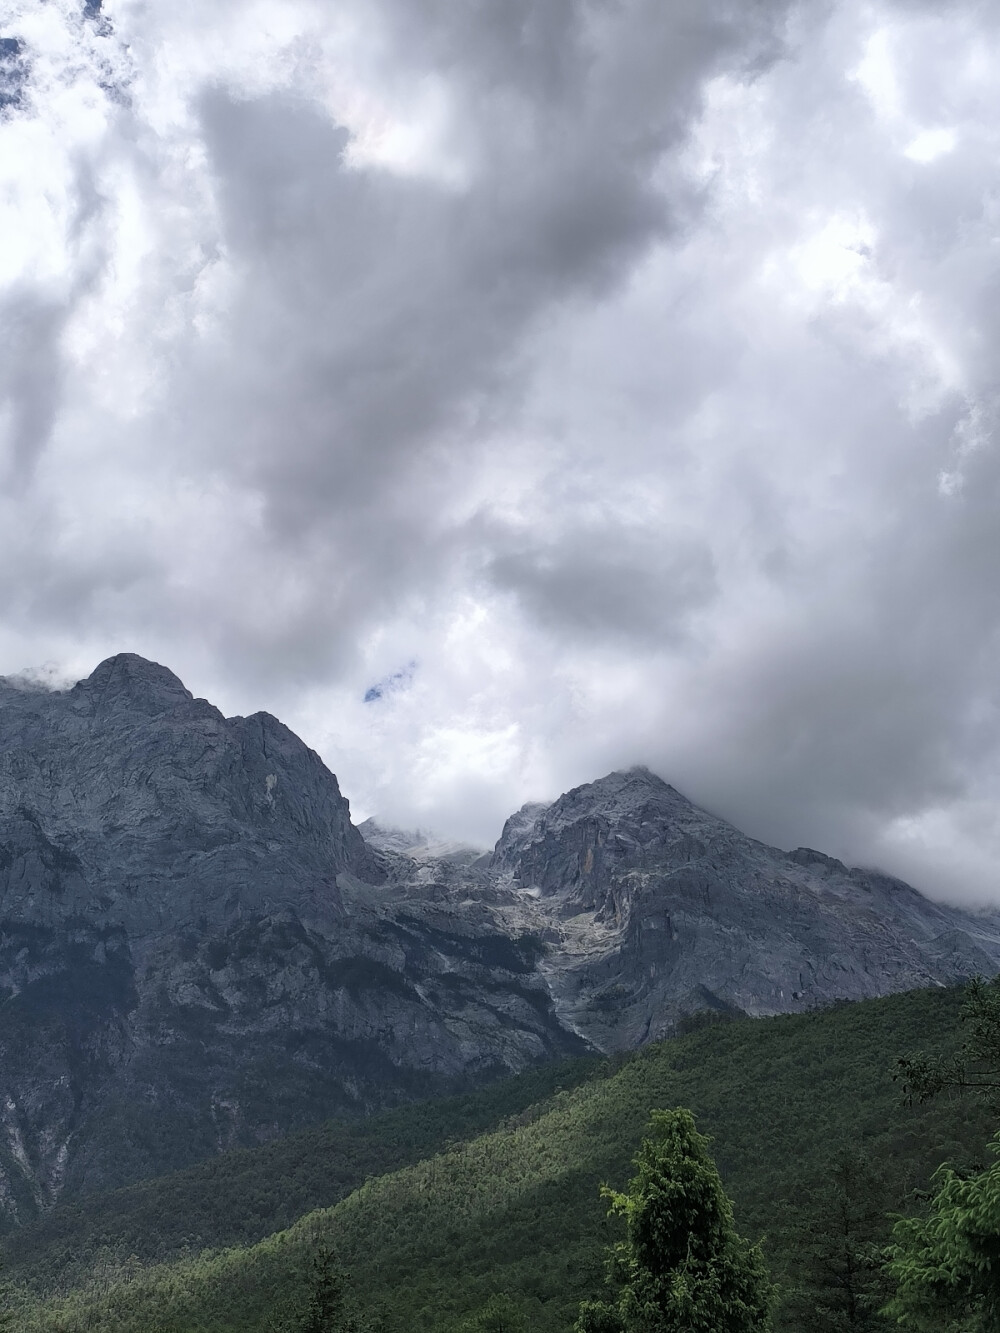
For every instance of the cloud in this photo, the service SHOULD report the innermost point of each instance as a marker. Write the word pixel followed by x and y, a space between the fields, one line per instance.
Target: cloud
pixel 605 583
pixel 630 366
pixel 30 375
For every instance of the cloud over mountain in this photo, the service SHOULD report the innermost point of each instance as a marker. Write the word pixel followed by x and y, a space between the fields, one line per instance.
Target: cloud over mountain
pixel 631 368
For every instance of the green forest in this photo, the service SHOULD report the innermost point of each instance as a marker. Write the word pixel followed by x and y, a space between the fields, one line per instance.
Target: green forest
pixel 484 1213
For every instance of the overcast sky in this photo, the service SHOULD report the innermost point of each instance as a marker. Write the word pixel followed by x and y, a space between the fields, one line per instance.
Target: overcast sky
pixel 505 391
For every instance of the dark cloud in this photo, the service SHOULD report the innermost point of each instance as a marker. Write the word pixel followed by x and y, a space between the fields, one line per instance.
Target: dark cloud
pixel 31 373
pixel 380 321
pixel 631 366
pixel 606 582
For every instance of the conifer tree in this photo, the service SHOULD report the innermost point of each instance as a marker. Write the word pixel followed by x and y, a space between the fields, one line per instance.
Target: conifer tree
pixel 682 1267
pixel 500 1314
pixel 838 1242
pixel 328 1310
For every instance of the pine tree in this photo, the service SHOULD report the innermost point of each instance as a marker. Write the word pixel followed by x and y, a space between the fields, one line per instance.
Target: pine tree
pixel 682 1267
pixel 500 1314
pixel 839 1242
pixel 327 1311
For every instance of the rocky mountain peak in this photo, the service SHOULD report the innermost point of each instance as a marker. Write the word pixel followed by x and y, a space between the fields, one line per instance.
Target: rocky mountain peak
pixel 198 948
pixel 167 809
pixel 517 833
pixel 578 843
pixel 621 797
pixel 130 681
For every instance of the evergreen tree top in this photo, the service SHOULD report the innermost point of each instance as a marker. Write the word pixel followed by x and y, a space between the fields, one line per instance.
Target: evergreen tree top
pixel 683 1267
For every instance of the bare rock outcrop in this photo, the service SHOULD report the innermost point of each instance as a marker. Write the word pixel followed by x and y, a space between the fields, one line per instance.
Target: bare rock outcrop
pixel 198 949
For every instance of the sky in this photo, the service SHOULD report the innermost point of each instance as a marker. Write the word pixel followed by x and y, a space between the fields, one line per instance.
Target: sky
pixel 501 394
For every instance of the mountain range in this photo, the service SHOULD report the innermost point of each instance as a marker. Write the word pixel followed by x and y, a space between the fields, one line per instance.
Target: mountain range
pixel 199 950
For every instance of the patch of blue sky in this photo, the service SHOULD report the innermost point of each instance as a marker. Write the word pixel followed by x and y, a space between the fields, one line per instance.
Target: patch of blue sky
pixel 399 680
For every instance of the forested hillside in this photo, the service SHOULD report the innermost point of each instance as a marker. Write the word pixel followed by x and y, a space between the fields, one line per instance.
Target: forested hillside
pixel 242 1196
pixel 516 1211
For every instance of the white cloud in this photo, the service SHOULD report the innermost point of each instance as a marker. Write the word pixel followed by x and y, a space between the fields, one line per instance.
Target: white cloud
pixel 630 369
pixel 929 145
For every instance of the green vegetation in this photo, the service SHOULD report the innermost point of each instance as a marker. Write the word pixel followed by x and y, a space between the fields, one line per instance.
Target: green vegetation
pixel 6 1317
pixel 974 1067
pixel 506 1230
pixel 329 1308
pixel 242 1196
pixel 947 1263
pixel 837 1239
pixel 682 1267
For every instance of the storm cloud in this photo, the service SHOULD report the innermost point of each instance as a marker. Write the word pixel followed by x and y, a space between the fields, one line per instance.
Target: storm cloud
pixel 502 393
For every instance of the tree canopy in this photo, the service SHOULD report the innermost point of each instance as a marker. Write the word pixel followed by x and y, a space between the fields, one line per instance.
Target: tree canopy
pixel 947 1263
pixel 838 1240
pixel 975 1066
pixel 682 1267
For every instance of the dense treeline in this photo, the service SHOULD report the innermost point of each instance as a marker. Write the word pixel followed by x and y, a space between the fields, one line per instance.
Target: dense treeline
pixel 515 1214
pixel 242 1196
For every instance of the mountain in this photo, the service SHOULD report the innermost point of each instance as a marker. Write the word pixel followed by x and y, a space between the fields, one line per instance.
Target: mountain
pixel 199 950
pixel 436 1207
pixel 653 908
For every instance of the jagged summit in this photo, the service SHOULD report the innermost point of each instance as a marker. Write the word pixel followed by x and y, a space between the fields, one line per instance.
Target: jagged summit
pixel 199 950
pixel 132 669
pixel 166 805
pixel 580 839
pixel 622 795
pixel 631 793
pixel 665 908
pixel 619 781
pixel 127 678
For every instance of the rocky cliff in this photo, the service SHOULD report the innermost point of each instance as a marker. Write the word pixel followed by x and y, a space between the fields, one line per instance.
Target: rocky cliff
pixel 655 908
pixel 198 949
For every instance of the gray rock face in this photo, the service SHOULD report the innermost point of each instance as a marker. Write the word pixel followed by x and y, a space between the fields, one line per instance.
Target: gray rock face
pixel 199 950
pixel 656 909
pixel 133 802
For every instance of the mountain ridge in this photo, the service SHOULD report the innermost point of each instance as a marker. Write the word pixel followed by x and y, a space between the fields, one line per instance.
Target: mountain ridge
pixel 705 916
pixel 198 948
